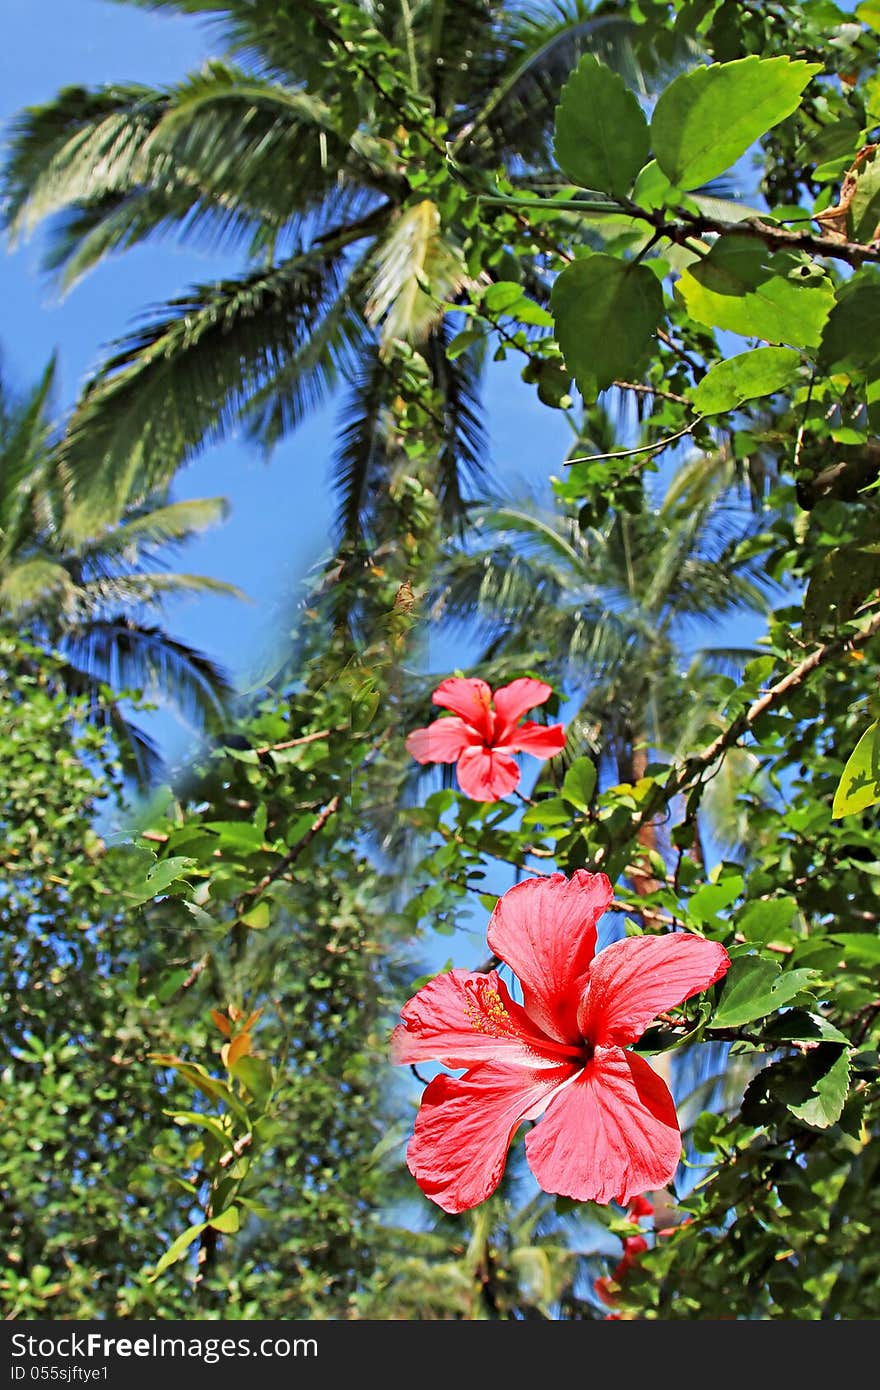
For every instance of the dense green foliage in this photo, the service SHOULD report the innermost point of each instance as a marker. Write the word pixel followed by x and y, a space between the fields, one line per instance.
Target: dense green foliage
pixel 668 213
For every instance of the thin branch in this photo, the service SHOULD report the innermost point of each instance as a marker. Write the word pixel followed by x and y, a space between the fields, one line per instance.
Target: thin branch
pixel 692 770
pixel 292 854
pixel 642 389
pixel 642 448
pixel 855 253
pixel 297 742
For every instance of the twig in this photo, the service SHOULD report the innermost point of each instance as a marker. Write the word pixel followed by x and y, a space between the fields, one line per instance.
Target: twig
pixel 642 449
pixel 297 742
pixel 643 389
pixel 293 853
pixel 692 769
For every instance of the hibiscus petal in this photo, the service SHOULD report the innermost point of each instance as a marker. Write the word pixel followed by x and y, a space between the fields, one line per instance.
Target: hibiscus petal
pixel 545 930
pixel 514 699
pixel 443 741
pixel 541 740
pixel 485 774
pixel 633 980
pixel 609 1135
pixel 464 1128
pixel 470 698
pixel 465 1016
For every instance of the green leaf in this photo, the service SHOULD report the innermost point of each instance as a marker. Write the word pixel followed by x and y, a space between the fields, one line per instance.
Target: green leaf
pixel 838 585
pixel 741 287
pixel 755 987
pixel 579 783
pixel 850 341
pixel 257 1076
pixel 258 918
pixel 194 1117
pixel 551 811
pixel 830 1091
pixel 858 947
pixel 606 314
pixel 859 785
pixel 462 341
pixel 178 1248
pixel 745 377
pixel 502 296
pixel 228 1221
pixel 799 1025
pixel 869 13
pixel 707 119
pixel 601 139
pixel 712 898
pixel 864 210
pixel 764 921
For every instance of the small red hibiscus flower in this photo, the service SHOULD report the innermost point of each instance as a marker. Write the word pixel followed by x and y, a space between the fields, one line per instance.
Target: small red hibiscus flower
pixel 608 1129
pixel 482 733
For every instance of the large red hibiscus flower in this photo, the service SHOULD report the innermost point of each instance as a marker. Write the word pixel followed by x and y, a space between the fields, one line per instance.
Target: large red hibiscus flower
pixel 483 733
pixel 608 1130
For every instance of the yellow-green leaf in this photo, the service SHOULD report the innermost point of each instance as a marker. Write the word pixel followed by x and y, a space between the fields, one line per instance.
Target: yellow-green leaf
pixel 708 118
pixel 601 139
pixel 859 785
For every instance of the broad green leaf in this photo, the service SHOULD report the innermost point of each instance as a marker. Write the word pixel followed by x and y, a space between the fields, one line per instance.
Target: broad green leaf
pixel 228 1221
pixel 256 1075
pixel 147 876
pixel 755 987
pixel 830 1091
pixel 258 918
pixel 601 139
pixel 551 811
pixel 171 983
pixel 745 377
pixel 762 921
pixel 462 341
pixel 712 898
pixel 859 947
pixel 741 287
pixel 502 296
pixel 606 315
pixel 799 1025
pixel 850 341
pixel 707 119
pixel 579 783
pixel 864 210
pixel 838 586
pixel 237 834
pixel 869 13
pixel 859 785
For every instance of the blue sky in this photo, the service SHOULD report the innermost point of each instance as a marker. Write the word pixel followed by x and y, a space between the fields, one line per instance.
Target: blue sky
pixel 280 510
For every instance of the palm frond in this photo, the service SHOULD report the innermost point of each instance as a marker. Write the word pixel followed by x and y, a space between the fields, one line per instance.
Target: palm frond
pixel 463 445
pixel 360 465
pixel 146 589
pixel 83 145
pixel 331 352
pixel 416 270
pixel 127 655
pixel 181 380
pixel 150 527
pixel 25 431
pixel 30 583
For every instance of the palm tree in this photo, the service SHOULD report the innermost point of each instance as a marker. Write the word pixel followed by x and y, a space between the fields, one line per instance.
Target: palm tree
pixel 325 184
pixel 97 601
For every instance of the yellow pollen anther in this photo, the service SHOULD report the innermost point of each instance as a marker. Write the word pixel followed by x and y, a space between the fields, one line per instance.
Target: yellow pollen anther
pixel 486 1013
